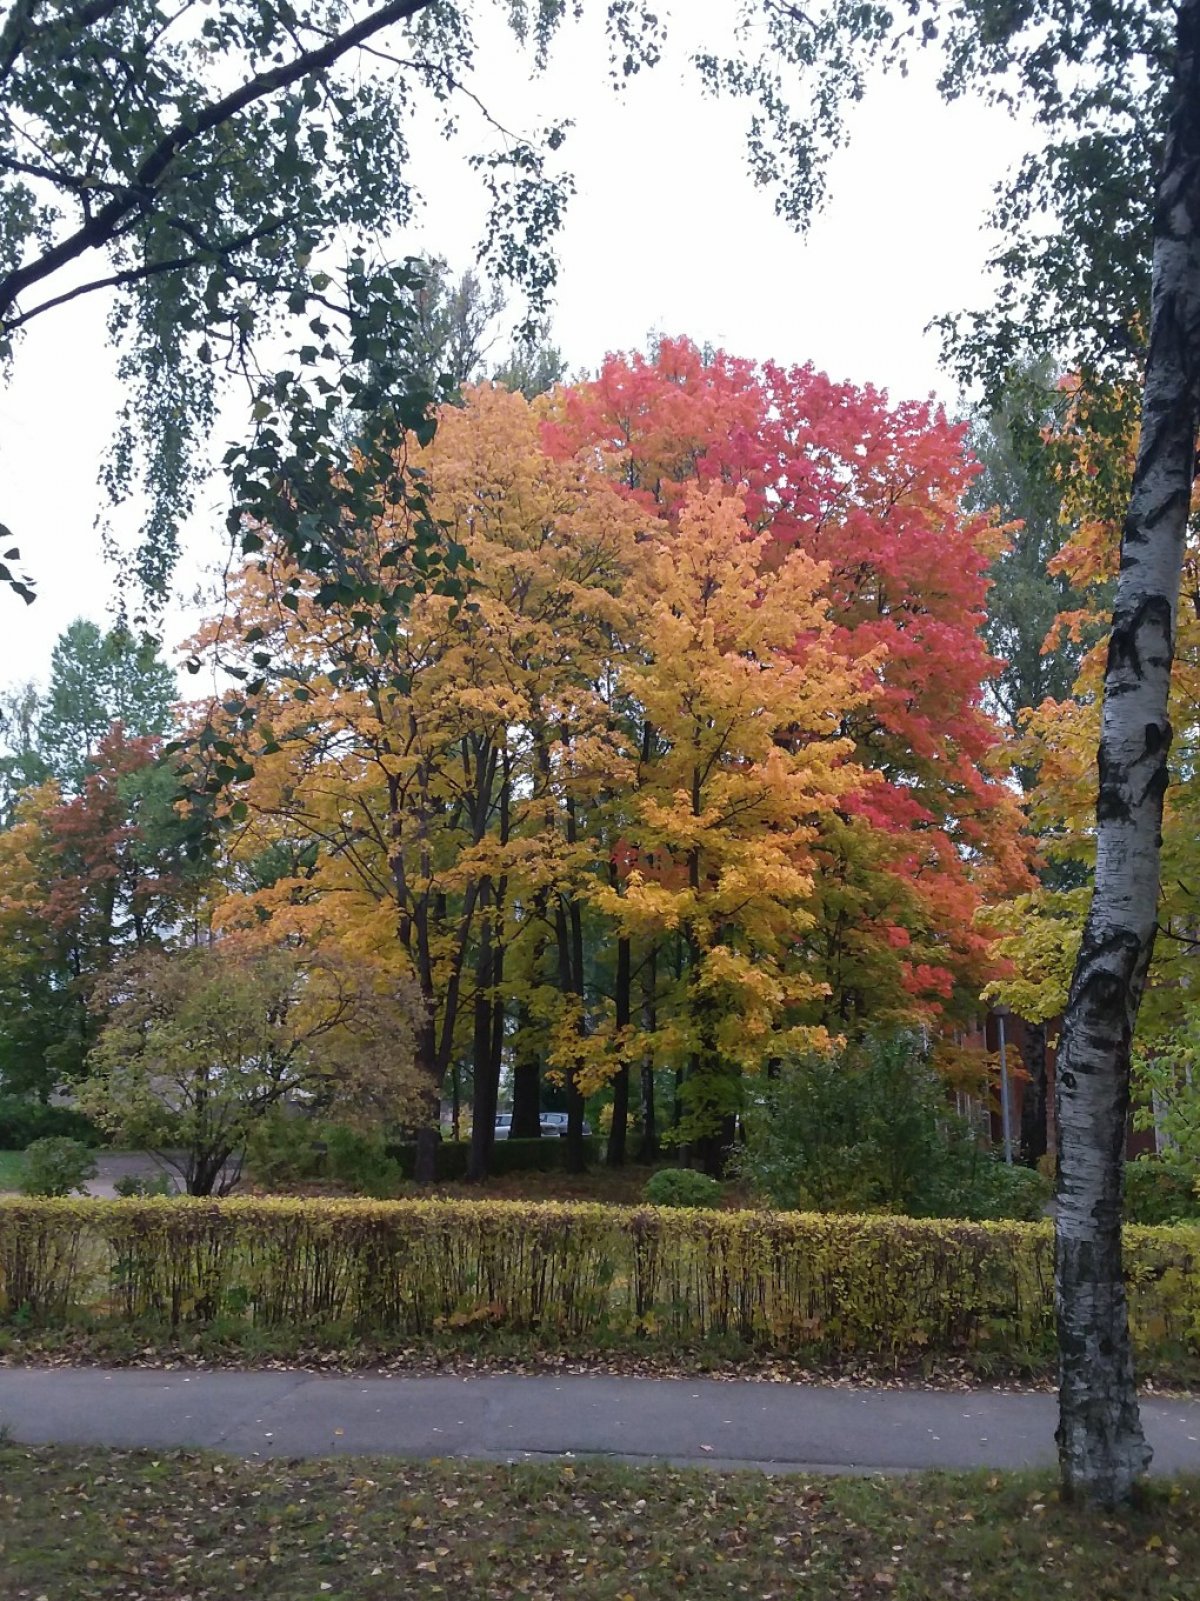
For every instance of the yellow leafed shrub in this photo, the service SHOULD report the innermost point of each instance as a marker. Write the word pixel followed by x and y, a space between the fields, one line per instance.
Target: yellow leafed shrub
pixel 879 1288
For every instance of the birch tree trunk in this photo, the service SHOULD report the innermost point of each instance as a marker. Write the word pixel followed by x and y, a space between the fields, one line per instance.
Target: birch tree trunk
pixel 1102 1450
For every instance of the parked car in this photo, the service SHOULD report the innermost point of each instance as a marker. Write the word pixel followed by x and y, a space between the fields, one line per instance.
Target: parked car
pixel 556 1123
pixel 553 1125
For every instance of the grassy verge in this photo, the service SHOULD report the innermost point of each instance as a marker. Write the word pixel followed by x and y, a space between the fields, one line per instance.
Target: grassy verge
pixel 624 1186
pixel 226 1343
pixel 12 1168
pixel 96 1525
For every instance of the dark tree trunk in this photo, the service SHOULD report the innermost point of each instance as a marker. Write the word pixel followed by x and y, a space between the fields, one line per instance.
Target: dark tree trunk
pixel 529 1043
pixel 489 1005
pixel 568 924
pixel 425 1165
pixel 203 1170
pixel 1102 1450
pixel 618 1132
pixel 499 1013
pixel 570 983
pixel 1033 1100
pixel 677 1093
pixel 527 1079
pixel 714 1149
pixel 648 1151
pixel 485 1088
pixel 428 1132
pixel 576 1160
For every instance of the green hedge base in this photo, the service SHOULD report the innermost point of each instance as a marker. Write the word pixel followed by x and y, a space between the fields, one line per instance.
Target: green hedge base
pixel 547 1155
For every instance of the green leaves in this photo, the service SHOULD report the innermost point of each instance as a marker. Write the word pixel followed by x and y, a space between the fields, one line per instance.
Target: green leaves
pixel 203 168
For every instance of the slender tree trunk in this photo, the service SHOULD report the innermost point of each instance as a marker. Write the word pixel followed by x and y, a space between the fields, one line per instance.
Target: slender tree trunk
pixel 576 1162
pixel 1033 1099
pixel 427 1060
pixel 648 1151
pixel 489 1005
pixel 485 1089
pixel 1102 1450
pixel 570 983
pixel 428 1132
pixel 499 1013
pixel 527 1076
pixel 569 922
pixel 617 1134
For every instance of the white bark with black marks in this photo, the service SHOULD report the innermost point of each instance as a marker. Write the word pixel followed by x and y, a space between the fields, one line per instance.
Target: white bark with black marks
pixel 1102 1450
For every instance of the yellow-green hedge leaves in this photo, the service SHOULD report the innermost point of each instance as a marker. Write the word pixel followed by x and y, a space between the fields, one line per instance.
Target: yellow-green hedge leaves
pixel 879 1288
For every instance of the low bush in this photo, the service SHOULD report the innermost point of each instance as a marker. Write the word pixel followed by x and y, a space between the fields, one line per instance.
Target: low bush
pixel 1157 1191
pixel 871 1289
pixel 294 1150
pixel 682 1186
pixel 284 1149
pixel 130 1185
pixel 869 1129
pixel 361 1163
pixel 23 1121
pixel 57 1166
pixel 545 1155
pixel 980 1187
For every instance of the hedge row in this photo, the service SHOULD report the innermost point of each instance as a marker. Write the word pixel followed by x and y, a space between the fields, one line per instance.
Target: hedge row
pixel 545 1155
pixel 876 1288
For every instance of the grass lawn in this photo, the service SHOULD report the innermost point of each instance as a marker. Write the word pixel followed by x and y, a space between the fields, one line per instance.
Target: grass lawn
pixel 83 1524
pixel 11 1166
pixel 625 1186
pixel 614 1186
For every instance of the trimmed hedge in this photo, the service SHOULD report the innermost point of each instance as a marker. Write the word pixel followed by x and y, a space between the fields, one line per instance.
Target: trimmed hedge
pixel 870 1287
pixel 545 1155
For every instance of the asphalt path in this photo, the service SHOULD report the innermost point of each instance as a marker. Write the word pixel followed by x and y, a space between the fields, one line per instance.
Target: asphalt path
pixel 734 1424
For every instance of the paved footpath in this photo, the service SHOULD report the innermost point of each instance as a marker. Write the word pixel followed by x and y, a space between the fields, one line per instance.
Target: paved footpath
pixel 743 1423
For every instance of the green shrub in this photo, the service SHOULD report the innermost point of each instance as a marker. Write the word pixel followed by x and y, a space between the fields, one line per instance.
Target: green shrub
pixel 137 1185
pixel 22 1122
pixel 682 1186
pixel 282 1149
pixel 360 1162
pixel 869 1130
pixel 987 1187
pixel 57 1166
pixel 881 1289
pixel 545 1155
pixel 1157 1191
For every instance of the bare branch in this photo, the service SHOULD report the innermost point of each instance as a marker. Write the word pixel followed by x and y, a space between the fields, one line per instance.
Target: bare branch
pixel 99 230
pixel 206 252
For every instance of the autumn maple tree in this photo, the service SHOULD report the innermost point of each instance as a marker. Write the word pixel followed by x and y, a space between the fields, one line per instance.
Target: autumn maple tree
pixel 697 766
pixel 427 761
pixel 875 492
pixel 85 878
pixel 743 758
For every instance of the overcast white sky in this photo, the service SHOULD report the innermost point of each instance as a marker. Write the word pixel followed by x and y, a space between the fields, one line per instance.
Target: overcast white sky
pixel 666 232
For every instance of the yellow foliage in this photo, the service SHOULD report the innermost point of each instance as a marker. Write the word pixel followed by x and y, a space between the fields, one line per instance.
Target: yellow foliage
pixel 880 1288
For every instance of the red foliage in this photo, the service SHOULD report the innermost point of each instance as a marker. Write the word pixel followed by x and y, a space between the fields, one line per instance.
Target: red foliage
pixel 874 492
